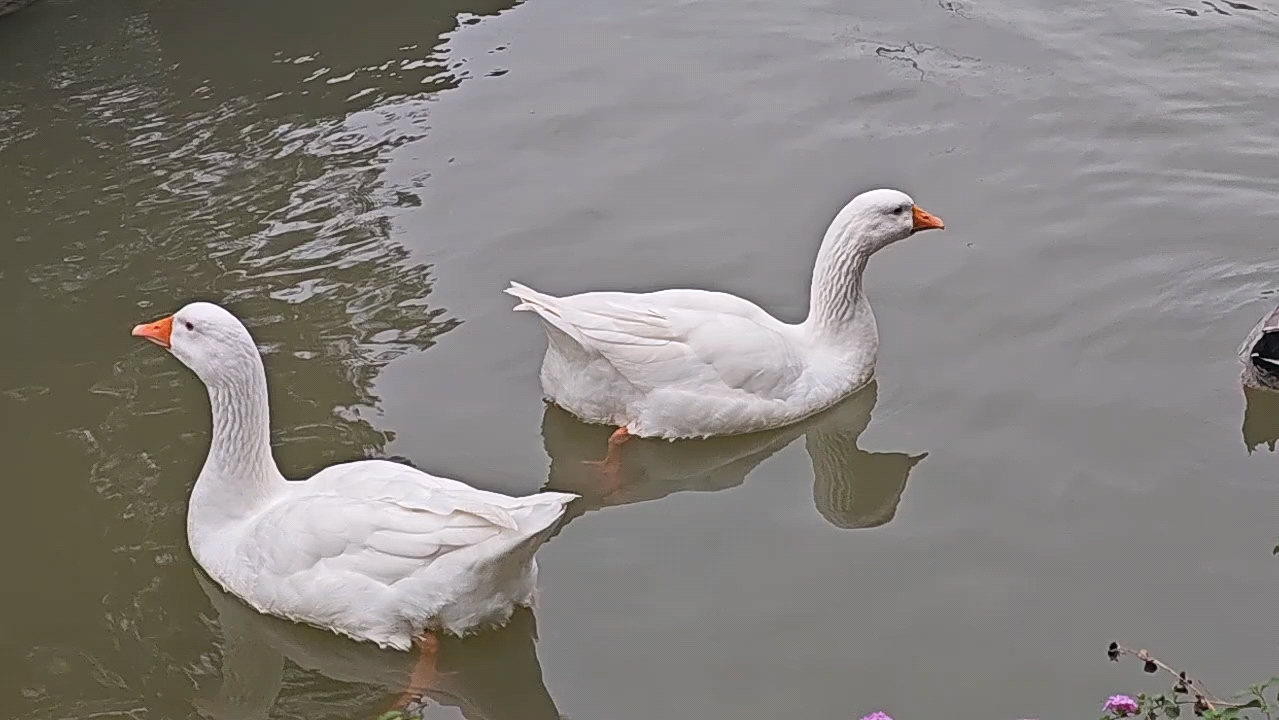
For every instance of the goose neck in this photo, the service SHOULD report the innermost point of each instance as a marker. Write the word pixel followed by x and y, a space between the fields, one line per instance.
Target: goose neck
pixel 837 302
pixel 240 470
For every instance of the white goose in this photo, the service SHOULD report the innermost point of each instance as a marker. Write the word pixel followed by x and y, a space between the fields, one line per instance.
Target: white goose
pixel 373 550
pixel 692 363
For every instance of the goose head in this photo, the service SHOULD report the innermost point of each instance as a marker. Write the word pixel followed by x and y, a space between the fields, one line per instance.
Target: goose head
pixel 878 218
pixel 209 340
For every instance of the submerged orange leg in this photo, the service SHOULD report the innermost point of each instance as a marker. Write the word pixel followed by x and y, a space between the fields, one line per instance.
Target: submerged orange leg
pixel 611 466
pixel 423 676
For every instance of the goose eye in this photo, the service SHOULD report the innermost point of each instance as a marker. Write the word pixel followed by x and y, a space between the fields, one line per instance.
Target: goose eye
pixel 189 325
pixel 899 210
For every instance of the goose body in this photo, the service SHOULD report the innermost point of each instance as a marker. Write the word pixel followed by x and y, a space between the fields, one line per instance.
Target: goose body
pixel 685 363
pixel 1259 354
pixel 374 550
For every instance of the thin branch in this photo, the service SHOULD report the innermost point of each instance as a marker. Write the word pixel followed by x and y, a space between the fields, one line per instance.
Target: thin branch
pixel 1204 700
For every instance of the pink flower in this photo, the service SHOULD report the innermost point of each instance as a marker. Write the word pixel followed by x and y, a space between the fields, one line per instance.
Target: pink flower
pixel 877 716
pixel 1121 705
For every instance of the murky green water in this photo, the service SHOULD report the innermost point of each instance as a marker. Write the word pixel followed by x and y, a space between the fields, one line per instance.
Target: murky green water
pixel 1052 457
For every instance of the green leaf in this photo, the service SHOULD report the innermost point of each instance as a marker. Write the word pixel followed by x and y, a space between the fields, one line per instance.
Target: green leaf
pixel 1172 710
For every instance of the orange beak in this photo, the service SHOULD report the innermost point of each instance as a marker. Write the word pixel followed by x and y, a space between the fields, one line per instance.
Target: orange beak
pixel 926 221
pixel 157 332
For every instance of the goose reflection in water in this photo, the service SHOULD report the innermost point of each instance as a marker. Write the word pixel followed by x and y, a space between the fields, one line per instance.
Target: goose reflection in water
pixel 1260 418
pixel 494 675
pixel 852 488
